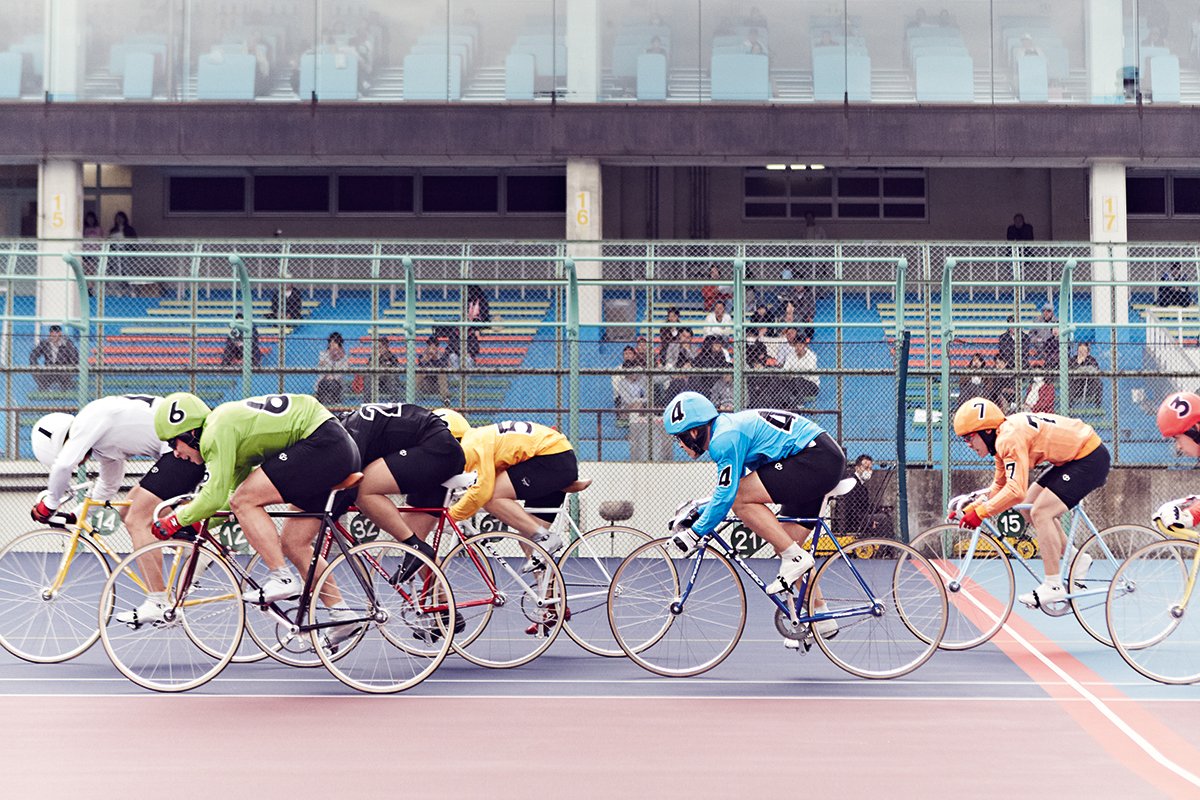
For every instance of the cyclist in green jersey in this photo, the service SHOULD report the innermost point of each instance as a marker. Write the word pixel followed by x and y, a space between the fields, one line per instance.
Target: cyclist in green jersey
pixel 303 453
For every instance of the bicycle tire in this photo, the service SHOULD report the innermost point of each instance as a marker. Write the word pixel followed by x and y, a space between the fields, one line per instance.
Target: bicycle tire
pixel 1151 629
pixel 908 618
pixel 990 574
pixel 41 626
pixel 163 656
pixel 587 565
pixel 370 661
pixel 496 625
pixel 270 636
pixel 679 642
pixel 1121 541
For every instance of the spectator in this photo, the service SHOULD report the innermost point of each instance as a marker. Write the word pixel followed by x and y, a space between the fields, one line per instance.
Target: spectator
pixel 121 228
pixel 678 353
pixel 656 46
pixel 945 19
pixel 293 304
pixel 387 380
pixel 57 353
pixel 712 356
pixel 761 317
pixel 1040 397
pixel 91 226
pixel 859 514
pixel 333 364
pixel 1003 385
pixel 231 354
pixel 1085 391
pixel 718 322
pixel 1173 291
pixel 1043 341
pixel 434 357
pixel 668 333
pixel 972 383
pixel 1020 230
pixel 1028 48
pixel 784 345
pixel 1009 343
pixel 642 349
pixel 753 44
pixel 722 392
pixel 803 362
pixel 797 310
pixel 762 384
pixel 478 310
pixel 813 231
pixel 716 291
pixel 630 391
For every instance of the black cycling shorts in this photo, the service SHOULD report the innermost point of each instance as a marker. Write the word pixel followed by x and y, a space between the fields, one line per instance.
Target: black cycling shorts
pixel 304 473
pixel 171 477
pixel 540 481
pixel 419 471
pixel 800 482
pixel 1077 479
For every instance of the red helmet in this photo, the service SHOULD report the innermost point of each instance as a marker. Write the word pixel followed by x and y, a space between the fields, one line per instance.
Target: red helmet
pixel 1178 414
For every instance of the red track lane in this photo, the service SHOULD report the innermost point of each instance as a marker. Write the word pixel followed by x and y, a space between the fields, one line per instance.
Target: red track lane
pixel 210 747
pixel 1090 719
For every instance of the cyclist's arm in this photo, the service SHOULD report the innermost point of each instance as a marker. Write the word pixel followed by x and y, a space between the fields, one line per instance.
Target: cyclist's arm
pixel 111 473
pixel 220 453
pixel 484 464
pixel 731 460
pixel 74 451
pixel 1012 465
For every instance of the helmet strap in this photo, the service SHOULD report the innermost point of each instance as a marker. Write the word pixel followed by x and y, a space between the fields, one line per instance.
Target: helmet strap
pixel 1193 434
pixel 989 439
pixel 696 439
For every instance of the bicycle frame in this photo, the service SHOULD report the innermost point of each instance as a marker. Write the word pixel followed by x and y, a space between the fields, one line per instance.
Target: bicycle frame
pixel 84 528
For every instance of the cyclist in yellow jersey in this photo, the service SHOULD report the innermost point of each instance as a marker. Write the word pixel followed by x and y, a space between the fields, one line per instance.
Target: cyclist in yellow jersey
pixel 1080 464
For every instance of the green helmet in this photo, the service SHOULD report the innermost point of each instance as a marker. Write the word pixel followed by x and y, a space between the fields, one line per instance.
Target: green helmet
pixel 179 413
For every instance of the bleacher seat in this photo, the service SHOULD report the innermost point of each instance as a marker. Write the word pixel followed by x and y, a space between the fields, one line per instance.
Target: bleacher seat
pixel 1032 80
pixel 430 76
pixel 1163 79
pixel 519 70
pixel 138 80
pixel 652 76
pixel 945 79
pixel 549 53
pixel 333 76
pixel 837 73
pixel 740 76
pixel 11 69
pixel 225 76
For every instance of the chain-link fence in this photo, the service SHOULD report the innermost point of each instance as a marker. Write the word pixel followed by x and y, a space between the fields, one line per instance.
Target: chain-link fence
pixel 596 341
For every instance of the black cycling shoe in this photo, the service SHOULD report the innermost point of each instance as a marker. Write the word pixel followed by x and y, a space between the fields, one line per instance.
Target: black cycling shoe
pixel 433 634
pixel 411 563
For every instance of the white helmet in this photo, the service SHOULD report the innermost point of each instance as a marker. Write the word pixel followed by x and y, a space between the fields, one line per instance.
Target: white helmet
pixel 49 434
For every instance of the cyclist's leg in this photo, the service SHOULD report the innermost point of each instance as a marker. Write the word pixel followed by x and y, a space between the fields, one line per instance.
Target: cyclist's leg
pixel 1046 508
pixel 539 483
pixel 249 504
pixel 296 538
pixel 416 471
pixel 1058 490
pixel 169 477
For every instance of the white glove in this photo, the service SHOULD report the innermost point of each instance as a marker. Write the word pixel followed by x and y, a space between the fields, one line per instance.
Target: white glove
pixel 687 513
pixel 1175 515
pixel 954 509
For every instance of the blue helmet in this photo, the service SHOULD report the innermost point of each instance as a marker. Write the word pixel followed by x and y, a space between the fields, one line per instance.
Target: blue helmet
pixel 686 411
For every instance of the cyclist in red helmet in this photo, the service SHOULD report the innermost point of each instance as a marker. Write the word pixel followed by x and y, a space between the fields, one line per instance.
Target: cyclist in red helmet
pixel 1179 419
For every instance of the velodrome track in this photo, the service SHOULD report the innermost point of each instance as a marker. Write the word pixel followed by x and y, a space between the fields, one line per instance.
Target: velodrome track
pixel 1043 708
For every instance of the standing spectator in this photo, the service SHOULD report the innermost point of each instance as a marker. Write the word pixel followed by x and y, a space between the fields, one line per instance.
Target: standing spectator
pixel 1020 230
pixel 1085 391
pixel 803 362
pixel 478 311
pixel 859 515
pixel 91 226
pixel 1008 344
pixel 813 231
pixel 57 353
pixel 1040 397
pixel 630 391
pixel 387 383
pixel 121 228
pixel 292 305
pixel 231 355
pixel 718 322
pixel 334 364
pixel 433 357
pixel 715 291
pixel 1173 291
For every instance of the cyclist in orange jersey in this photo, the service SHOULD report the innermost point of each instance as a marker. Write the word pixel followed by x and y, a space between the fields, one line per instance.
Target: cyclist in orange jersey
pixel 1080 464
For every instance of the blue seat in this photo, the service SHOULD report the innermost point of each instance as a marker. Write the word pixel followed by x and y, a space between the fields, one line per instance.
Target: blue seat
pixel 519 80
pixel 740 76
pixel 225 76
pixel 1164 79
pixel 138 81
pixel 11 67
pixel 430 76
pixel 837 73
pixel 549 53
pixel 652 76
pixel 1032 79
pixel 945 79
pixel 334 76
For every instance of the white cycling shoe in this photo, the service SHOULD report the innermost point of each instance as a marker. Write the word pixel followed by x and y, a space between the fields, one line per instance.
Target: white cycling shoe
pixel 827 628
pixel 1084 563
pixel 277 587
pixel 790 571
pixel 336 635
pixel 1045 593
pixel 551 543
pixel 151 610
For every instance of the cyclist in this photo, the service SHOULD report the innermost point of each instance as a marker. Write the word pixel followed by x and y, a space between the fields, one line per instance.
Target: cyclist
pixel 1079 464
pixel 303 453
pixel 1179 419
pixel 763 456
pixel 112 430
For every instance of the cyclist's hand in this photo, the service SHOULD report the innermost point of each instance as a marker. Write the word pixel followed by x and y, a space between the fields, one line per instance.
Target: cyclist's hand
pixel 52 517
pixel 970 518
pixel 1176 515
pixel 687 514
pixel 169 527
pixel 956 506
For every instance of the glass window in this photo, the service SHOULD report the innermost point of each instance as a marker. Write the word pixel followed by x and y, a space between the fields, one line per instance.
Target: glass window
pixel 291 193
pixel 207 193
pixel 766 210
pixel 851 193
pixel 536 194
pixel 768 185
pixel 381 194
pixel 904 187
pixel 1146 195
pixel 1185 196
pixel 460 194
pixel 857 187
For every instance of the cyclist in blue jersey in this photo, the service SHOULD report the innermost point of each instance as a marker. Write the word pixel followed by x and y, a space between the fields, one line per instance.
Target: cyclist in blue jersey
pixel 763 456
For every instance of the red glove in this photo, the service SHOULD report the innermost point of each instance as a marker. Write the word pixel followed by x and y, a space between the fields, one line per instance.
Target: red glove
pixel 52 517
pixel 970 518
pixel 169 526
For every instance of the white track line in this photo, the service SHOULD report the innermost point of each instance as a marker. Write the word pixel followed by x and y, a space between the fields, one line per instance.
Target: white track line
pixel 1095 701
pixel 555 697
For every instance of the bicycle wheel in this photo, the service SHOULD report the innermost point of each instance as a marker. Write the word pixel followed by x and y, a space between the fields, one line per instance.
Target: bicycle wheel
pixel 587 566
pixel 272 636
pixel 164 656
pixel 489 587
pixel 1107 550
pixel 894 628
pixel 981 594
pixel 370 660
pixel 45 616
pixel 1151 616
pixel 654 631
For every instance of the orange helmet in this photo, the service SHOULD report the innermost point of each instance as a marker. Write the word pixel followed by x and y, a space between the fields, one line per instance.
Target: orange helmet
pixel 1178 414
pixel 977 414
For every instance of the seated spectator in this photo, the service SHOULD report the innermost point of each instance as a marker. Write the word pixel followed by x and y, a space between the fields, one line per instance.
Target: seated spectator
pixel 761 317
pixel 859 515
pixel 668 333
pixel 1020 230
pixel 1042 342
pixel 802 362
pixel 1009 343
pixel 718 322
pixel 678 353
pixel 656 46
pixel 1040 397
pixel 972 383
pixel 1174 290
pixel 387 380
pixel 783 346
pixel 1003 385
pixel 712 356
pixel 292 304
pixel 753 44
pixel 762 382
pixel 642 349
pixel 434 357
pixel 716 291
pixel 1085 391
pixel 334 364
pixel 631 391
pixel 231 355
pixel 58 353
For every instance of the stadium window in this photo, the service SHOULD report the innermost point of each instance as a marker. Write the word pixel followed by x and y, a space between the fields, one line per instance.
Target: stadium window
pixel 206 194
pixel 1146 195
pixel 849 193
pixel 291 193
pixel 535 194
pixel 1185 196
pixel 375 194
pixel 460 194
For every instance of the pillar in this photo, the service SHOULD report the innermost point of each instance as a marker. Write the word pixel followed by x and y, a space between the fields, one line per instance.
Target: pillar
pixel 65 25
pixel 1108 231
pixel 1104 34
pixel 60 217
pixel 583 51
pixel 585 230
